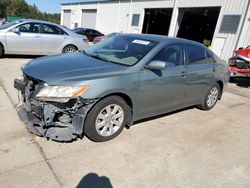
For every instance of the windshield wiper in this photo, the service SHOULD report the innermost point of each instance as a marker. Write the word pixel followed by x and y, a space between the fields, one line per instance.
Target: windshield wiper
pixel 97 56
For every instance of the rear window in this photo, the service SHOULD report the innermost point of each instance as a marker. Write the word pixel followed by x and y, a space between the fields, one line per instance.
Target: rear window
pixel 210 57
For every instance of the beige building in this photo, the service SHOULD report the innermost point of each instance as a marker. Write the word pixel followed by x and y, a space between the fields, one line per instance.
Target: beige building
pixel 222 24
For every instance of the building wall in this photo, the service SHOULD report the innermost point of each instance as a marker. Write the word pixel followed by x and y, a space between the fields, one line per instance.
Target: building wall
pixel 244 39
pixel 117 16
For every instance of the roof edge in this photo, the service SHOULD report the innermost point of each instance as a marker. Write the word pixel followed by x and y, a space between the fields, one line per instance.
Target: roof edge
pixel 86 2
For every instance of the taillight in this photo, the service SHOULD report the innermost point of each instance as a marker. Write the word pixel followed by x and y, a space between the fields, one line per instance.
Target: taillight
pixel 85 40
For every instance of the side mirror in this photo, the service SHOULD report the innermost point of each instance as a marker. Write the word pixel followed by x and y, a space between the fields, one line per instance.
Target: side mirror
pixel 156 65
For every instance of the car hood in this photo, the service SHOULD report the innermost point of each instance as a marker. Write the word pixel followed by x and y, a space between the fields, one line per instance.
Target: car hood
pixel 70 69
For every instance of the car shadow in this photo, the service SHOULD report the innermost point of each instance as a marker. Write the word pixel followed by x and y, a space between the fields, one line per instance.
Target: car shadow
pixel 22 56
pixel 163 115
pixel 241 82
pixel 92 180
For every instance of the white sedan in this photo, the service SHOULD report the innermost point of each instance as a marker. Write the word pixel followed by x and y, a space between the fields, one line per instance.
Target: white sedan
pixel 35 37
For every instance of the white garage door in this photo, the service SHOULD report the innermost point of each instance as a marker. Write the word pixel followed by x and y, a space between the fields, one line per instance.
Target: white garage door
pixel 67 18
pixel 89 18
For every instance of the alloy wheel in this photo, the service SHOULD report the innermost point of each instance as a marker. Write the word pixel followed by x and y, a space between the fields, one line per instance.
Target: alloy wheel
pixel 109 120
pixel 212 97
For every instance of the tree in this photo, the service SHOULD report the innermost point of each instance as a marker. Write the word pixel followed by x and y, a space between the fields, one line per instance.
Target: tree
pixel 22 9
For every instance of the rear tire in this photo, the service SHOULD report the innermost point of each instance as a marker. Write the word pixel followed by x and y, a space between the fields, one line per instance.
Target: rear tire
pixel 1 51
pixel 106 119
pixel 69 49
pixel 211 98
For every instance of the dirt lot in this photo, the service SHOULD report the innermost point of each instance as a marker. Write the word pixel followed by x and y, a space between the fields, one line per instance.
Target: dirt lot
pixel 190 148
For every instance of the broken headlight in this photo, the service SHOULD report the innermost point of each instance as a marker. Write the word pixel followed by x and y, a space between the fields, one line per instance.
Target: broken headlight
pixel 60 93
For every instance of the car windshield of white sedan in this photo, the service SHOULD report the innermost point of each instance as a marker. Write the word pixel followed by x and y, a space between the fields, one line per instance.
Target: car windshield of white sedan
pixel 123 50
pixel 9 24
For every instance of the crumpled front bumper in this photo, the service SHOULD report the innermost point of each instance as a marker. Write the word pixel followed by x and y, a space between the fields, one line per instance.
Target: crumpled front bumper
pixel 62 133
pixel 62 122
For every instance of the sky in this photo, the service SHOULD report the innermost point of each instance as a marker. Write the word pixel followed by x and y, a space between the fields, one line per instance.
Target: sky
pixel 50 6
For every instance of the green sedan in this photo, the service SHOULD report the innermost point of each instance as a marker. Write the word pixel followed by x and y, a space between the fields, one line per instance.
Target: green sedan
pixel 116 82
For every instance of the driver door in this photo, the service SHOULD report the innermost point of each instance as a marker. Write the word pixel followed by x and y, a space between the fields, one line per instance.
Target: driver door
pixel 26 40
pixel 162 91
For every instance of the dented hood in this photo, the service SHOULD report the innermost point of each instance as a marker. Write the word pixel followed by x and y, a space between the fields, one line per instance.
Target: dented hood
pixel 70 68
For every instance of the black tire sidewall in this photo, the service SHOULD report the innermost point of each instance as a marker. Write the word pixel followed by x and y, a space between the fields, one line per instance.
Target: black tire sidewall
pixel 89 126
pixel 1 50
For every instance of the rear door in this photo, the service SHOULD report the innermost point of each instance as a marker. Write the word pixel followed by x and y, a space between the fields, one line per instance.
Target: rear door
pixel 200 73
pixel 163 91
pixel 26 41
pixel 53 38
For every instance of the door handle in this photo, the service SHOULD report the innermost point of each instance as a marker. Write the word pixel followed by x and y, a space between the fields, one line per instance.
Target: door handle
pixel 214 69
pixel 184 74
pixel 38 36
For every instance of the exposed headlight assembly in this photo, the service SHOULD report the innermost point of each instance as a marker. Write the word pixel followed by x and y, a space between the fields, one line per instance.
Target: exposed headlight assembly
pixel 60 93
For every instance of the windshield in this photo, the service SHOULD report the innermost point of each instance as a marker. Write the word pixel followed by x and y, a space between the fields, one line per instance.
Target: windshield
pixel 9 24
pixel 123 50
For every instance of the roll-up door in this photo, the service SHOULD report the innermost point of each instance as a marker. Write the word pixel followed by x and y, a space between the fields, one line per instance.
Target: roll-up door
pixel 89 18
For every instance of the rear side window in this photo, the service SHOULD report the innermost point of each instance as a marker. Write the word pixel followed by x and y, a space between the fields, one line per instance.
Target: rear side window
pixel 196 54
pixel 51 29
pixel 96 32
pixel 210 57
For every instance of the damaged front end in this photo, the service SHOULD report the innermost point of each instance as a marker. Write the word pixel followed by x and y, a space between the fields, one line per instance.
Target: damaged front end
pixel 59 120
pixel 239 66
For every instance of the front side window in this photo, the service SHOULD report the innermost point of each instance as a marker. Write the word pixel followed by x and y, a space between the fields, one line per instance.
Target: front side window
pixel 171 54
pixel 123 50
pixel 51 29
pixel 29 28
pixel 196 54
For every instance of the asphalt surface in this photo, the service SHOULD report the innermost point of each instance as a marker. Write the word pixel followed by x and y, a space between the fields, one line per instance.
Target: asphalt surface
pixel 188 148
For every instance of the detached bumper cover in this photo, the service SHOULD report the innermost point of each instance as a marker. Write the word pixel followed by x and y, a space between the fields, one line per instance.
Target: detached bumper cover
pixel 62 122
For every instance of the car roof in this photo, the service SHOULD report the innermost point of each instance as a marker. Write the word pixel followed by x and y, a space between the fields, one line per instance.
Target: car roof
pixel 45 22
pixel 39 21
pixel 162 38
pixel 84 28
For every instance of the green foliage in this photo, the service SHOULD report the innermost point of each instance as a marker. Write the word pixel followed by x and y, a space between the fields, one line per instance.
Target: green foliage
pixel 22 9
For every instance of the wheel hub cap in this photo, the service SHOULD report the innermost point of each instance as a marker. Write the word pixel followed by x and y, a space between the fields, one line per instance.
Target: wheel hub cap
pixel 212 97
pixel 109 120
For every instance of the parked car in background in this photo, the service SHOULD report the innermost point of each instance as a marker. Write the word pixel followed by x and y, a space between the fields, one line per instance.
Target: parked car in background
pixel 34 37
pixel 239 63
pixel 125 78
pixel 89 33
pixel 101 38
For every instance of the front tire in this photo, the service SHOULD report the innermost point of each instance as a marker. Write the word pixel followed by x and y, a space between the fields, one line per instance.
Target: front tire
pixel 211 98
pixel 106 119
pixel 69 49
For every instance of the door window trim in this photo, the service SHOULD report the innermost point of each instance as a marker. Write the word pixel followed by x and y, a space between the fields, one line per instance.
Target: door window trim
pixel 42 25
pixel 34 23
pixel 187 55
